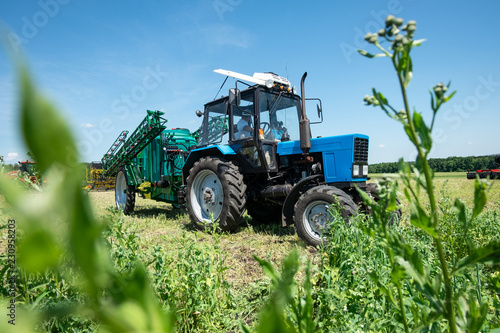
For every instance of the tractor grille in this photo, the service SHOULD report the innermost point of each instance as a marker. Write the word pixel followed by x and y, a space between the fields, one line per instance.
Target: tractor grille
pixel 360 150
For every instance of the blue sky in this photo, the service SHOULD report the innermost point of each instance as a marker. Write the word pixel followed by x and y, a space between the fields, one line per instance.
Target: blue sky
pixel 104 63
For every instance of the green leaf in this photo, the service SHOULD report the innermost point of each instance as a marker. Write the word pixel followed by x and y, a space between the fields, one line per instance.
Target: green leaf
pixel 370 55
pixel 397 275
pixel 447 98
pixel 38 250
pixel 409 133
pixel 479 197
pixel 416 261
pixel 433 102
pixel 418 42
pixel 383 289
pixel 461 213
pixel 472 314
pixel 420 219
pixel 272 317
pixel 487 254
pixel 423 131
pixel 268 269
pixel 46 133
pixel 380 97
pixel 411 271
pixel 408 70
pixel 38 299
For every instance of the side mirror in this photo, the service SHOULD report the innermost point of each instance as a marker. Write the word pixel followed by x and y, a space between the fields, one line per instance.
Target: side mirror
pixel 319 110
pixel 234 96
pixel 199 113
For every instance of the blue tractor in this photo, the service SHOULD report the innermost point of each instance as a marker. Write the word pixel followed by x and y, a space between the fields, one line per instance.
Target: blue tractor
pixel 255 152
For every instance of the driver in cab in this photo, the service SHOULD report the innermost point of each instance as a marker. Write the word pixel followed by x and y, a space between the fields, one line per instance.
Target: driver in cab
pixel 243 128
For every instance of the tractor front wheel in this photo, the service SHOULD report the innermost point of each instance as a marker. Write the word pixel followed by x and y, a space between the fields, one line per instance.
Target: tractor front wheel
pixel 312 213
pixel 215 191
pixel 124 193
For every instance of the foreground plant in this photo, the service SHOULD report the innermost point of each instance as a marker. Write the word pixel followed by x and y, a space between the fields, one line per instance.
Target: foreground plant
pixel 289 308
pixel 460 313
pixel 58 225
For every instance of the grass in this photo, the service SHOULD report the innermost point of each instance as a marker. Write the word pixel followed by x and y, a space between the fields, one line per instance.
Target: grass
pixel 158 223
pixel 163 238
pixel 458 186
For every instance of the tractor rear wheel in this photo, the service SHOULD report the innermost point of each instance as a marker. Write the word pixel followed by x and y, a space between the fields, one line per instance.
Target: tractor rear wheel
pixel 124 193
pixel 312 214
pixel 215 191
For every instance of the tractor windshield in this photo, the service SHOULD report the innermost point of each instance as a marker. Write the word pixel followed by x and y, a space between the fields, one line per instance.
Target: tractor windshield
pixel 279 116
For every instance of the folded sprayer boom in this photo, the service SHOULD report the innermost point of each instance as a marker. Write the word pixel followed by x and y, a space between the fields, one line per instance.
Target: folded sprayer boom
pixel 124 150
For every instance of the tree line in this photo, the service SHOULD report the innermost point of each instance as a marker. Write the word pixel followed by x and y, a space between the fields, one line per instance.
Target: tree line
pixel 11 167
pixel 449 164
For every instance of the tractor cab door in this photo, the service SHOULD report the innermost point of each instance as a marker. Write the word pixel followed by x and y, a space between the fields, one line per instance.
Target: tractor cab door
pixel 279 122
pixel 243 132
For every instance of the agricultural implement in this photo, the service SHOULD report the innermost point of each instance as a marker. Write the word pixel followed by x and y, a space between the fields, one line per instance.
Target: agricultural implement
pixel 489 173
pixel 95 179
pixel 253 152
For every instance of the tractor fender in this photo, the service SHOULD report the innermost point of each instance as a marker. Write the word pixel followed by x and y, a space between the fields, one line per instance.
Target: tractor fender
pixel 293 196
pixel 197 154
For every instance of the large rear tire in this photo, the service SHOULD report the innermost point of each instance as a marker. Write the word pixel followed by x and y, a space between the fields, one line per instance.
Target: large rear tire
pixel 312 215
pixel 215 191
pixel 124 193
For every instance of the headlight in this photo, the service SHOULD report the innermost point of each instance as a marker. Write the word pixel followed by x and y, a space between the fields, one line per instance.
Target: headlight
pixel 355 170
pixel 365 170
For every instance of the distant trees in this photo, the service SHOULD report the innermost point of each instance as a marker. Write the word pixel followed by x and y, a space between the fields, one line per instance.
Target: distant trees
pixel 11 167
pixel 449 164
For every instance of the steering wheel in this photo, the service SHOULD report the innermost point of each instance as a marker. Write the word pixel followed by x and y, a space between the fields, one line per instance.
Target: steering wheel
pixel 265 127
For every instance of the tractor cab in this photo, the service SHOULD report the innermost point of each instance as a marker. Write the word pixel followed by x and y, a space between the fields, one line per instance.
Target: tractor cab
pixel 253 121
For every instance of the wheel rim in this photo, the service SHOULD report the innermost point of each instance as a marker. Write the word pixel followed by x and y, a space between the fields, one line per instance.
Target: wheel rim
pixel 317 218
pixel 121 190
pixel 207 196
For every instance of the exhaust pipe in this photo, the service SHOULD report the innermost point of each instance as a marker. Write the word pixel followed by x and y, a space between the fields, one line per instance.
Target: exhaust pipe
pixel 304 124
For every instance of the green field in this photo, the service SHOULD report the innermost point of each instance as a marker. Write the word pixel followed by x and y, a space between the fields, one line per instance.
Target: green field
pixel 216 284
pixel 158 223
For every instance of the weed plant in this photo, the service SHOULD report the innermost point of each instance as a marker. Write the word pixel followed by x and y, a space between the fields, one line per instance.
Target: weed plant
pixel 443 302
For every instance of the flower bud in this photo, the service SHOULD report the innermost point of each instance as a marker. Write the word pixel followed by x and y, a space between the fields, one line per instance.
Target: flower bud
pixel 371 38
pixel 411 28
pixel 398 22
pixel 381 32
pixel 389 20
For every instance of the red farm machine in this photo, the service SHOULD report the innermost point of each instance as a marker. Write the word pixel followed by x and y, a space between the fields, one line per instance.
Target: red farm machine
pixel 488 173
